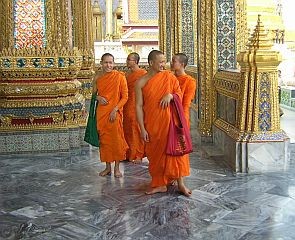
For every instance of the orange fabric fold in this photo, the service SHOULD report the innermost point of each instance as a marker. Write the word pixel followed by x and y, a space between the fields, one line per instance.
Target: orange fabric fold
pixel 130 125
pixel 113 87
pixel 188 88
pixel 162 167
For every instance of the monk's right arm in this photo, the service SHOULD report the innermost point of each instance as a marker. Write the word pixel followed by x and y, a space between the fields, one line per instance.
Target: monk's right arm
pixel 139 110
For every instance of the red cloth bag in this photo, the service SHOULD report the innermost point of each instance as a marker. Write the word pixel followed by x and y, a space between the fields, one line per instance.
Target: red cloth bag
pixel 179 139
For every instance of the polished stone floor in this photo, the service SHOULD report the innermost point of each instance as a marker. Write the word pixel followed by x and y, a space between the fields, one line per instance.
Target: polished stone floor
pixel 61 196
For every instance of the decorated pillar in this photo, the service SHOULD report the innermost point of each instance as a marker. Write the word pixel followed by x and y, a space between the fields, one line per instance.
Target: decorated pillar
pixel 178 28
pixel 41 108
pixel 263 145
pixel 83 40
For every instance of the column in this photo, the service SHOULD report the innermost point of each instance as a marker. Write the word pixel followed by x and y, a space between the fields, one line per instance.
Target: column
pixel 109 20
pixel 264 144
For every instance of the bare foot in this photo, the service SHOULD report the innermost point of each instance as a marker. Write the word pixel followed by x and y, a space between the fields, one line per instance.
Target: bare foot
pixel 105 172
pixel 117 173
pixel 185 191
pixel 154 190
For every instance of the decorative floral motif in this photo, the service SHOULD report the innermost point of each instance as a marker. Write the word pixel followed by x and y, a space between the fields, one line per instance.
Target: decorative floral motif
pixel 265 105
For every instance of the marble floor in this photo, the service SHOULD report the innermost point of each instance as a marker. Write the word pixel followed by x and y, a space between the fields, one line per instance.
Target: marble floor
pixel 61 196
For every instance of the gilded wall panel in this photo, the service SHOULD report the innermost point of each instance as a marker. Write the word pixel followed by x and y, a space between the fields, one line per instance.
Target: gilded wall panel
pixel 6 24
pixel 207 65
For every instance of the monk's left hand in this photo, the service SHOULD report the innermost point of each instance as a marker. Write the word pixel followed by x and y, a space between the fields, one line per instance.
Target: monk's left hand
pixel 113 114
pixel 165 101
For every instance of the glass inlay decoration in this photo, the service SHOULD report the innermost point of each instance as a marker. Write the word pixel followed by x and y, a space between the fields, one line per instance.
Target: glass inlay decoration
pixel 29 23
pixel 226 31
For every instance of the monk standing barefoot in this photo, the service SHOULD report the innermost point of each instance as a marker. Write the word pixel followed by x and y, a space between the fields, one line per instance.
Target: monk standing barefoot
pixel 131 128
pixel 153 95
pixel 188 87
pixel 111 89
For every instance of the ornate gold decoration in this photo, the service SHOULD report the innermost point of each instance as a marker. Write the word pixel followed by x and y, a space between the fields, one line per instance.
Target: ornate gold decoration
pixel 40 78
pixel 241 25
pixel 259 105
pixel 228 83
pixel 37 64
pixel 58 32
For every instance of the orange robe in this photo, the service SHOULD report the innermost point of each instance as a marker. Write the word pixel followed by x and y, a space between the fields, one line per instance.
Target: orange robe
pixel 113 87
pixel 188 88
pixel 162 167
pixel 130 125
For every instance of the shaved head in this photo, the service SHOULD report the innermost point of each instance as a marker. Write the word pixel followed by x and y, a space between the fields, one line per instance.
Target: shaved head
pixel 182 58
pixel 153 55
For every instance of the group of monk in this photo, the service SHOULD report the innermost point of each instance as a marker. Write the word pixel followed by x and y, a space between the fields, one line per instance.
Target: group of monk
pixel 133 116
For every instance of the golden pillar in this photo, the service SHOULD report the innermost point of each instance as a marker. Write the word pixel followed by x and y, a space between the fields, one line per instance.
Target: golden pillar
pixel 6 23
pixel 83 40
pixel 58 24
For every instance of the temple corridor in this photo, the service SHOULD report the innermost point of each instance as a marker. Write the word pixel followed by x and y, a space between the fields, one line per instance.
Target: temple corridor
pixel 61 196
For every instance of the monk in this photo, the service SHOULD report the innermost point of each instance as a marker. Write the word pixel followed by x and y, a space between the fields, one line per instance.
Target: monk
pixel 153 95
pixel 187 83
pixel 111 89
pixel 135 152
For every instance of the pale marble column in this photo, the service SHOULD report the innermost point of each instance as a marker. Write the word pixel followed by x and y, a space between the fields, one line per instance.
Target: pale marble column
pixel 109 19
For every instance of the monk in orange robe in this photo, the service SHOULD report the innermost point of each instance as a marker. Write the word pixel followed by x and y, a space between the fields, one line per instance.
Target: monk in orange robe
pixel 187 83
pixel 153 95
pixel 135 152
pixel 111 89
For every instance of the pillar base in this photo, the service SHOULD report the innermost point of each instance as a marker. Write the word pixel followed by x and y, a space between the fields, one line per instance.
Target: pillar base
pixel 253 157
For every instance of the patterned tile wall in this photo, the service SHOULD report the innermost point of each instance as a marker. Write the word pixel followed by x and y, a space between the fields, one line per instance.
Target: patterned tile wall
pixel 168 29
pixel 148 13
pixel 226 32
pixel 188 30
pixel 42 140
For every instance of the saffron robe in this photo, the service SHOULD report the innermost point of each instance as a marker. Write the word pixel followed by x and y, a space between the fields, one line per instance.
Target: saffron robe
pixel 130 124
pixel 113 87
pixel 188 88
pixel 162 167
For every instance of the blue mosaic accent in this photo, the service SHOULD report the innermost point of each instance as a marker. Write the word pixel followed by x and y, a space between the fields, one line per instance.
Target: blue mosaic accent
pixel 61 62
pixel 148 13
pixel 39 111
pixel 264 105
pixel 6 63
pixel 226 34
pixel 49 63
pixel 36 62
pixel 21 62
pixel 168 30
pixel 268 136
pixel 188 30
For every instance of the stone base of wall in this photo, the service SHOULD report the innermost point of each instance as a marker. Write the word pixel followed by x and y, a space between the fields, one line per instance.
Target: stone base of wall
pixel 50 140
